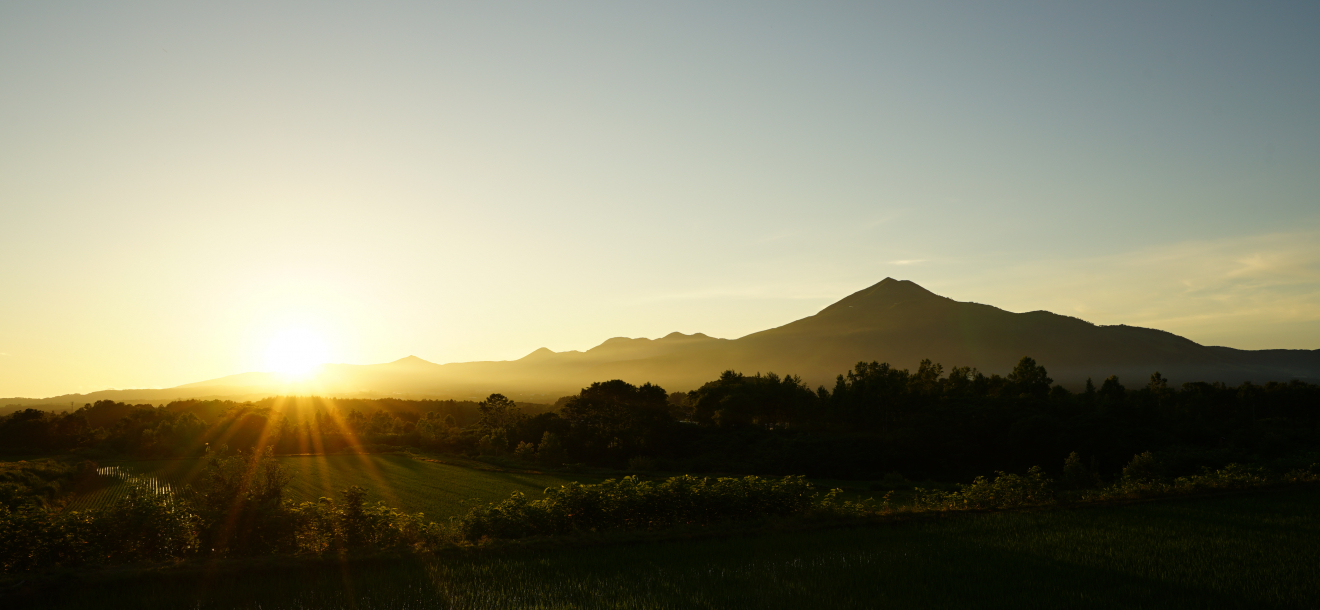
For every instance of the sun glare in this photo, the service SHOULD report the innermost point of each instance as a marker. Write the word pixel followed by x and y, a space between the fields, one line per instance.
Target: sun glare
pixel 296 352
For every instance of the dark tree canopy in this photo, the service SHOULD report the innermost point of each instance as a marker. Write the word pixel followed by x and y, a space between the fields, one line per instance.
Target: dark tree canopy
pixel 1030 378
pixel 498 413
pixel 877 419
pixel 615 419
pixel 740 400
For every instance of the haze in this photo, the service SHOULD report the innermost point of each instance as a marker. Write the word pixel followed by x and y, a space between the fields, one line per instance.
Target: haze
pixel 183 188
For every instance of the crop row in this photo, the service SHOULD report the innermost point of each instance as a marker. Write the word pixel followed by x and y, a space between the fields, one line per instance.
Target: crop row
pixel 118 482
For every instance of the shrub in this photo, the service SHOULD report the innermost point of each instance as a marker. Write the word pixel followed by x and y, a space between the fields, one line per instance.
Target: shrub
pixel 551 451
pixel 1076 475
pixel 142 526
pixel 240 507
pixel 1143 468
pixel 1230 477
pixel 147 525
pixel 38 483
pixel 1005 491
pixel 525 451
pixel 495 443
pixel 628 503
pixel 351 524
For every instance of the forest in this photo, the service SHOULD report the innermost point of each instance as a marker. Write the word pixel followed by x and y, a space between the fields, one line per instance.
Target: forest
pixel 876 421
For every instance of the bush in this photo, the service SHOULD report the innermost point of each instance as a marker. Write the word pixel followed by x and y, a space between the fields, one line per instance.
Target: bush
pixel 625 504
pixel 1230 477
pixel 1143 468
pixel 239 503
pixel 351 524
pixel 1005 491
pixel 146 526
pixel 495 443
pixel 237 508
pixel 525 452
pixel 551 451
pixel 39 483
pixel 142 526
pixel 1076 475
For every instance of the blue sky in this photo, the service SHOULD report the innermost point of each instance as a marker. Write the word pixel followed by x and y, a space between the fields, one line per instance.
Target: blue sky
pixel 181 182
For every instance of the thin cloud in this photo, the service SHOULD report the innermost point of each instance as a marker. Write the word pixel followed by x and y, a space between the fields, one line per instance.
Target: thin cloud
pixel 1207 290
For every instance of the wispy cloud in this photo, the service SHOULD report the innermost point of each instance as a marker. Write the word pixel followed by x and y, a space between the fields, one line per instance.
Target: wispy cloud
pixel 1210 290
pixel 908 261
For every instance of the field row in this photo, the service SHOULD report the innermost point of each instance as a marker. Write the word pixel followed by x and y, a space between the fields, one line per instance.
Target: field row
pixel 117 482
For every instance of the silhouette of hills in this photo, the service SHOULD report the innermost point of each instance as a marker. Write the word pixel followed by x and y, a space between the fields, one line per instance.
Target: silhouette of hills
pixel 894 321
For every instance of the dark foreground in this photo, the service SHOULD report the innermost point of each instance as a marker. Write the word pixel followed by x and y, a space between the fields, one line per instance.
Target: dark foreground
pixel 1252 550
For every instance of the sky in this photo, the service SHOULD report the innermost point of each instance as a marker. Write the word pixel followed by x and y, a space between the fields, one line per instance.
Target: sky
pixel 184 185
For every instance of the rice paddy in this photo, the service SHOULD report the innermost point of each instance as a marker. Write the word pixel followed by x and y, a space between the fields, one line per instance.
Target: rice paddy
pixel 115 483
pixel 1257 550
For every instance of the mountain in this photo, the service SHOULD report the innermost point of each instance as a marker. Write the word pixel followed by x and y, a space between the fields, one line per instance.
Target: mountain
pixel 900 322
pixel 894 321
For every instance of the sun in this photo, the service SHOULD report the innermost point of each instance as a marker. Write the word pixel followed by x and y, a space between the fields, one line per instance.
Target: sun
pixel 296 352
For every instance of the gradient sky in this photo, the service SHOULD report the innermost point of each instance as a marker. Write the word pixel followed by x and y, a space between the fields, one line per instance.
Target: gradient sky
pixel 181 182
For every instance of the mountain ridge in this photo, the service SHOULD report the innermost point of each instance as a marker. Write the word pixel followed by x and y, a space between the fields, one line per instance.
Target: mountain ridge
pixel 894 321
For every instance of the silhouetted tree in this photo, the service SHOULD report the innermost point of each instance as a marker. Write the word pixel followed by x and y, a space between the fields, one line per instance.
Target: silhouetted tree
pixel 1030 378
pixel 1112 390
pixel 614 420
pixel 740 400
pixel 497 413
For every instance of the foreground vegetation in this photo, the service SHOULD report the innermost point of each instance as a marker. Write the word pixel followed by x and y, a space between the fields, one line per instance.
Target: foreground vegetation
pixel 242 503
pixel 237 507
pixel 1259 550
pixel 435 486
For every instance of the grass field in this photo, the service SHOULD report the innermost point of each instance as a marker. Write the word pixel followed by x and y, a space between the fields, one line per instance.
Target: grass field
pixel 440 489
pixel 410 483
pixel 414 485
pixel 1257 550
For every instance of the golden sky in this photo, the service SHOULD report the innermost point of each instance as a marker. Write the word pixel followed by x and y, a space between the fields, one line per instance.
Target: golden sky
pixel 186 189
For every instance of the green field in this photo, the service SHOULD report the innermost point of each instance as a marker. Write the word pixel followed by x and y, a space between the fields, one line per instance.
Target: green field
pixel 1258 550
pixel 413 483
pixel 439 490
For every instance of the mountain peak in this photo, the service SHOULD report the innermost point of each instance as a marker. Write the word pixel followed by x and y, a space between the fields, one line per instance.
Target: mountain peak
pixel 677 336
pixel 883 295
pixel 538 354
pixel 411 360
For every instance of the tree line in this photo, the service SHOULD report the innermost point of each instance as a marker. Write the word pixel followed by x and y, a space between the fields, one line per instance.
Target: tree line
pixel 876 421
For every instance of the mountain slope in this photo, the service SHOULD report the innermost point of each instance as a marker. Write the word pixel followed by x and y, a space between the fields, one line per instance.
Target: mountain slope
pixel 901 323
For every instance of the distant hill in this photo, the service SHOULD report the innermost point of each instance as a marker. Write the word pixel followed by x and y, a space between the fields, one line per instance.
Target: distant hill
pixel 894 321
